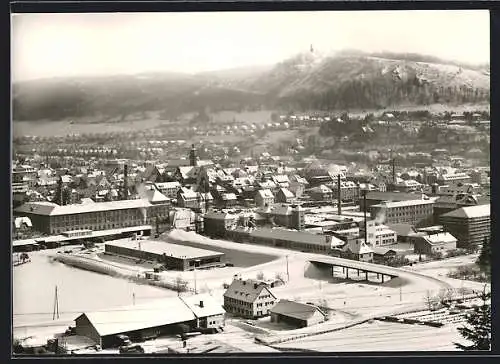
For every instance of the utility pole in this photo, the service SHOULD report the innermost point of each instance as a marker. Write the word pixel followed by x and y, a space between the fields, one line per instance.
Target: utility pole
pixel 364 205
pixel 56 306
pixel 287 271
pixel 133 299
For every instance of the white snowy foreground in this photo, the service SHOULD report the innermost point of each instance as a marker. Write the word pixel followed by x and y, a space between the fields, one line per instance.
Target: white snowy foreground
pixel 382 336
pixel 348 301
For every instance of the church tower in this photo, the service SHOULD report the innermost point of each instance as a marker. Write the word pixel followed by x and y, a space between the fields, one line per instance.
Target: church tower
pixel 193 158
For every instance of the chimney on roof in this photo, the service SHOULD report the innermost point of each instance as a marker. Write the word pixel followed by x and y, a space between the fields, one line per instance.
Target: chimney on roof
pixel 201 304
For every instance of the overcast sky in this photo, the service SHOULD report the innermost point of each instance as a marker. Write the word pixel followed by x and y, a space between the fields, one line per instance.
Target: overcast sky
pixel 48 45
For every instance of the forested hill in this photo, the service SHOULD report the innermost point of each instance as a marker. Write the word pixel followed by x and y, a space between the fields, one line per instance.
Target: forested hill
pixel 311 81
pixel 348 80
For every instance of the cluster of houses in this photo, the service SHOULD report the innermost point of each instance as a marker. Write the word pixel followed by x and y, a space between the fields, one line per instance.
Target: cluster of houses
pixel 270 188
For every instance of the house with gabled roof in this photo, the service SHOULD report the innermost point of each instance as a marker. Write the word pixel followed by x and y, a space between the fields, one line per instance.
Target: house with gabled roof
pixel 264 198
pixel 297 314
pixel 298 185
pixel 284 196
pixel 248 298
pixel 187 198
pixel 356 249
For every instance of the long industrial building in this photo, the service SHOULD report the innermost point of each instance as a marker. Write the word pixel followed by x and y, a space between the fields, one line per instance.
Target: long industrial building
pixel 172 256
pixel 159 317
pixel 50 218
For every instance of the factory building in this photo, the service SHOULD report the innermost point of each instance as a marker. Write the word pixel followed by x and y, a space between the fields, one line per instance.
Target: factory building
pixel 470 225
pixel 172 256
pixel 50 218
pixel 414 212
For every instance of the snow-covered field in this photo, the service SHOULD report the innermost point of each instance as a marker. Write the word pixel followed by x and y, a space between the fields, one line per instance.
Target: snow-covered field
pixel 349 301
pixel 381 336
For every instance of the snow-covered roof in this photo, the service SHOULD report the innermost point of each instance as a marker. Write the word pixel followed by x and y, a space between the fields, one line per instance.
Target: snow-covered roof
pixel 300 311
pixel 245 290
pixel 470 212
pixel 440 238
pixel 49 208
pixel 157 313
pixel 265 193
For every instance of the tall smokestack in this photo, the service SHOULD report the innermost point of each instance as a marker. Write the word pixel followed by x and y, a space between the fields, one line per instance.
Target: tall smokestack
pixel 125 182
pixel 339 198
pixel 366 228
pixel 393 170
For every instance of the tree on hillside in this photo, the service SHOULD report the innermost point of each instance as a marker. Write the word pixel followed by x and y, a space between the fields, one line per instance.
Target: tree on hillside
pixel 478 327
pixel 484 260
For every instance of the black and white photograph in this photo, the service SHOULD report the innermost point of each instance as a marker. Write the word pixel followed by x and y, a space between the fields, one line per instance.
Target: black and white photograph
pixel 236 182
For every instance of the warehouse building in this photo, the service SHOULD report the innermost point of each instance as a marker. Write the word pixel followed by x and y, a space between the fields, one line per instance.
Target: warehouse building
pixel 172 256
pixel 297 314
pixel 160 317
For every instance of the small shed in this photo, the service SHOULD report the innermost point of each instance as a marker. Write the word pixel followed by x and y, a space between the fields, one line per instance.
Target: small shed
pixel 297 314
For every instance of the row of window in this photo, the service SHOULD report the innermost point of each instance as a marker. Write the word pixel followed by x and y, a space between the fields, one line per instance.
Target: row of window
pixel 242 311
pixel 264 303
pixel 237 302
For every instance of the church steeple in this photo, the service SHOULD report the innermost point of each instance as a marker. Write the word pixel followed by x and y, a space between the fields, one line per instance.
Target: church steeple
pixel 193 158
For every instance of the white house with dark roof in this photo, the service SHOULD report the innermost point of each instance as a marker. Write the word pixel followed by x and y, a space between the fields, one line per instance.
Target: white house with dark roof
pixel 248 298
pixel 264 198
pixel 358 250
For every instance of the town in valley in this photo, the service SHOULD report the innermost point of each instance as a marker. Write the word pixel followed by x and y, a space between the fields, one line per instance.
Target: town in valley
pixel 253 212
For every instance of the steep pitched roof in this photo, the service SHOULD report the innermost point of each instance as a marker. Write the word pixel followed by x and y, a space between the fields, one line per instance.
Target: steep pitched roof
pixel 403 229
pixel 155 196
pixel 246 291
pixel 286 193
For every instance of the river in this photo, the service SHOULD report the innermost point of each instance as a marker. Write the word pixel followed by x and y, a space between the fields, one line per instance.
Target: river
pixel 78 291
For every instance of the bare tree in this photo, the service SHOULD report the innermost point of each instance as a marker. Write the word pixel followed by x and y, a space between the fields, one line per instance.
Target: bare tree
pixel 180 284
pixel 444 296
pixel 430 300
pixel 260 275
